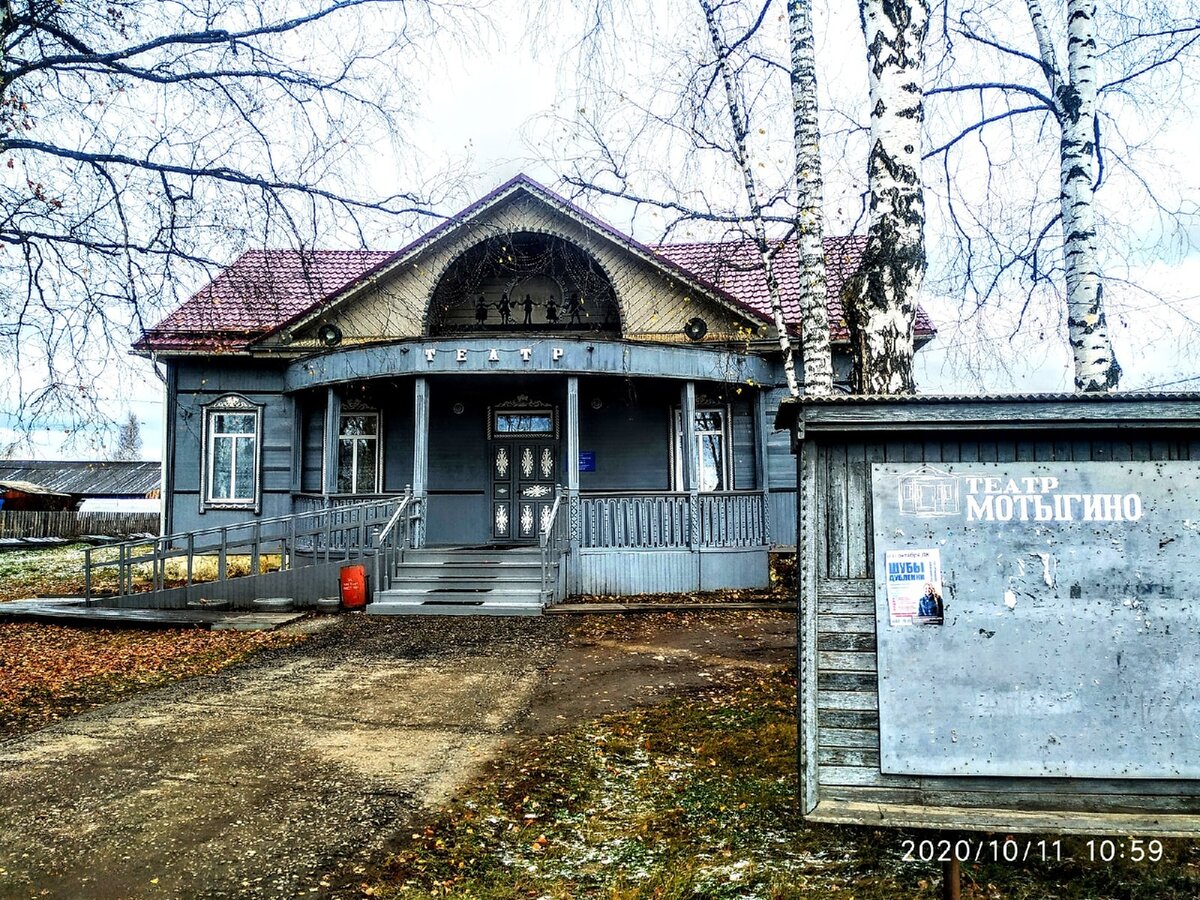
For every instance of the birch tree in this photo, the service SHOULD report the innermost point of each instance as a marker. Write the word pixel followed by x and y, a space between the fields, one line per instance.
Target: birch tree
pixel 741 132
pixel 1041 112
pixel 881 301
pixel 810 213
pixel 1073 93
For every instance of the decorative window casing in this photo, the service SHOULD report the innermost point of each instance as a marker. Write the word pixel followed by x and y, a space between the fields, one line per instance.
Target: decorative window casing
pixel 522 417
pixel 358 468
pixel 232 467
pixel 714 464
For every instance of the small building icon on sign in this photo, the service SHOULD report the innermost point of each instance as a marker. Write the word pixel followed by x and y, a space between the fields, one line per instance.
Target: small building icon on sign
pixel 927 493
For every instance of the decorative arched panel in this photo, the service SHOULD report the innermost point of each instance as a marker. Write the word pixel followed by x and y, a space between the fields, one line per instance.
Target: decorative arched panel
pixel 523 282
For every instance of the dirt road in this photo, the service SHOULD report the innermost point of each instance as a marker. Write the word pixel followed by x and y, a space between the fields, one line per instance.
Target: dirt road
pixel 294 769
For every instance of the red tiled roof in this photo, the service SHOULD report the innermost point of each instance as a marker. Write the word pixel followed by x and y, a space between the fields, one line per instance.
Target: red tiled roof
pixel 258 293
pixel 735 267
pixel 266 289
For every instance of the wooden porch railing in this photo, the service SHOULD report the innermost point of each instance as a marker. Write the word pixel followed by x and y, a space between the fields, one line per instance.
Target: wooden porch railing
pixel 282 542
pixel 554 540
pixel 310 502
pixel 663 520
pixel 395 539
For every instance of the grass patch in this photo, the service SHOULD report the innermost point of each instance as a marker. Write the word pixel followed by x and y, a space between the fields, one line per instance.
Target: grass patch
pixel 695 799
pixel 58 571
pixel 42 572
pixel 48 672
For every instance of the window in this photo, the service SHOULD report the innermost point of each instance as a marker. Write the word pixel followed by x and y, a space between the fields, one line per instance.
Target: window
pixel 512 422
pixel 232 425
pixel 712 455
pixel 358 454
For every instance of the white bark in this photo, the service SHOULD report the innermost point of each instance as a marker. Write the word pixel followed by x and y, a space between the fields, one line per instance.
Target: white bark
pixel 881 299
pixel 814 321
pixel 1096 367
pixel 741 128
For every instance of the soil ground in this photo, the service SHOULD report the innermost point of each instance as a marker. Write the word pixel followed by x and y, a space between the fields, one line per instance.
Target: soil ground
pixel 288 774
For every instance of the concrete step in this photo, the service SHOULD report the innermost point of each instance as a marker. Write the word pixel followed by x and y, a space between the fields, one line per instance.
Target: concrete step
pixel 465 581
pixel 468 555
pixel 477 569
pixel 432 608
pixel 462 595
pixel 520 585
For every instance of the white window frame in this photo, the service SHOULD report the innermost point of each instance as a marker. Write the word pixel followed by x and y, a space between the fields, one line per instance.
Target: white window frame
pixel 677 446
pixel 355 413
pixel 231 404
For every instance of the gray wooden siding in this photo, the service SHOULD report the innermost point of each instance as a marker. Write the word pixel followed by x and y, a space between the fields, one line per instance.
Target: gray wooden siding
pixel 201 383
pixel 458 510
pixel 846 764
pixel 742 433
pixel 396 414
pixel 630 434
pixel 312 436
pixel 661 571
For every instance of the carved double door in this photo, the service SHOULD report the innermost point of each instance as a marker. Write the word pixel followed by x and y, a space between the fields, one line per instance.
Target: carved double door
pixel 524 478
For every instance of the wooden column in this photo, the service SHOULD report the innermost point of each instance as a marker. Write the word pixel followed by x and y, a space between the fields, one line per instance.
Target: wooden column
pixel 573 434
pixel 333 425
pixel 690 465
pixel 574 507
pixel 761 471
pixel 420 476
pixel 166 524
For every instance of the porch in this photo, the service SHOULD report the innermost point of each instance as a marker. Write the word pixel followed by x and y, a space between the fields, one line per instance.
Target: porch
pixel 663 481
pixel 647 465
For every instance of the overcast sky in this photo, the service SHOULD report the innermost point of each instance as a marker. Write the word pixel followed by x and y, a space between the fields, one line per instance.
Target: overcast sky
pixel 488 104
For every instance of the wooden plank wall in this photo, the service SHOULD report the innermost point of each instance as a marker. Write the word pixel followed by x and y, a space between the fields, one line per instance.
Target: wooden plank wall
pixel 67 524
pixel 846 705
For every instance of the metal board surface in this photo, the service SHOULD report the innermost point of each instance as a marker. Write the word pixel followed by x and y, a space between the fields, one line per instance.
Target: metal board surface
pixel 1070 635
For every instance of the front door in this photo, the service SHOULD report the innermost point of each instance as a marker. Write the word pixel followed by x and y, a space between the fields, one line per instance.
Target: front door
pixel 524 464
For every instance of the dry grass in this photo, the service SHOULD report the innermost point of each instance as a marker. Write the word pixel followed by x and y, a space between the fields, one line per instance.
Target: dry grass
pixel 695 799
pixel 52 671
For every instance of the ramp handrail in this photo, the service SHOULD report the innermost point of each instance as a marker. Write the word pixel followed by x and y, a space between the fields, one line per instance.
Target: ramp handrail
pixel 553 542
pixel 337 532
pixel 395 538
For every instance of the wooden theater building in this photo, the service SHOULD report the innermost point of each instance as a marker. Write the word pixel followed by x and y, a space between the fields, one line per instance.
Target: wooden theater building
pixel 522 366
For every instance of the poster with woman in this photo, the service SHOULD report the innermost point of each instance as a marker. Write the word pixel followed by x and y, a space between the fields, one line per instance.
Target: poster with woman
pixel 914 587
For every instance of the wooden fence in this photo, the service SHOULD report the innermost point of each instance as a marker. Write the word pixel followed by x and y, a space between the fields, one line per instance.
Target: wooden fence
pixel 30 524
pixel 663 520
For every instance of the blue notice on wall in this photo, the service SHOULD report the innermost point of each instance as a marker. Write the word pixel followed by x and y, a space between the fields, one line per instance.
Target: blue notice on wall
pixel 587 460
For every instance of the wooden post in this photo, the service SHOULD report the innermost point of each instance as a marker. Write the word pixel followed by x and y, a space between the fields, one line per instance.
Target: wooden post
pixel 297 461
pixel 574 509
pixel 333 427
pixel 420 456
pixel 951 879
pixel 691 468
pixel 761 470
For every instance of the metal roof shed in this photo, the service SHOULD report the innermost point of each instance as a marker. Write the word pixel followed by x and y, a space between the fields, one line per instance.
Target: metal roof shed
pixel 1000 611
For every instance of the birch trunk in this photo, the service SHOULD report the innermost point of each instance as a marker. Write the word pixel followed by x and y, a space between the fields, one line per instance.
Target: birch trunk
pixel 814 313
pixel 741 129
pixel 881 300
pixel 1096 367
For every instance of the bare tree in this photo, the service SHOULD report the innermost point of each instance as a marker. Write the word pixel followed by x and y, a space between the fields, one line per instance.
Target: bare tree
pixel 129 440
pixel 881 300
pixel 1011 113
pixel 718 164
pixel 144 142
